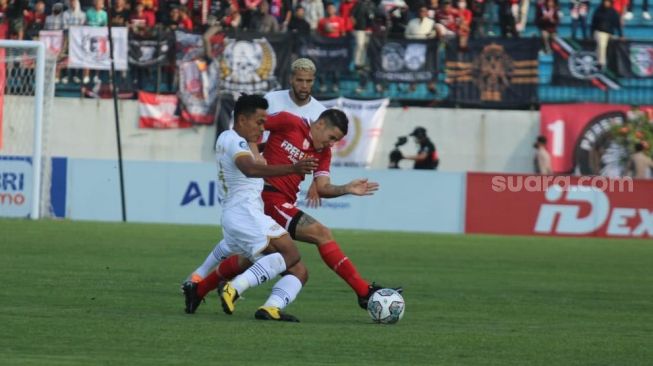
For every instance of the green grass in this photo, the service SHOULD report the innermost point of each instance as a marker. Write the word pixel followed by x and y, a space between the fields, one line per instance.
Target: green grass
pixel 74 293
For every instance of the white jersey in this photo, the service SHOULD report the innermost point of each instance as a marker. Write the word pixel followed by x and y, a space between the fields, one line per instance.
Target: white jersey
pixel 234 188
pixel 246 229
pixel 280 101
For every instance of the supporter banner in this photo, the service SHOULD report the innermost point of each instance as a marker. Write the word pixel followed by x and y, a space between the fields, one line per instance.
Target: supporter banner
pixel 255 63
pixel 631 59
pixel 145 52
pixel 579 137
pixel 88 48
pixel 493 72
pixel 329 54
pixel 575 64
pixel 190 46
pixel 403 60
pixel 198 91
pixel 53 41
pixel 15 186
pixel 366 117
pixel 560 206
pixel 159 111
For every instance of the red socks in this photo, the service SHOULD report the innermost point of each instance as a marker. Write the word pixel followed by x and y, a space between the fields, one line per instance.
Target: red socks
pixel 228 269
pixel 339 263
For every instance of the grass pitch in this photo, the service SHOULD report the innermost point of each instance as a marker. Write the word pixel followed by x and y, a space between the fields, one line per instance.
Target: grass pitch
pixel 76 293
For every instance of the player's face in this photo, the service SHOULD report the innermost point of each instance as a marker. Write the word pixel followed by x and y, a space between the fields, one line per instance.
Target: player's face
pixel 301 83
pixel 325 136
pixel 252 125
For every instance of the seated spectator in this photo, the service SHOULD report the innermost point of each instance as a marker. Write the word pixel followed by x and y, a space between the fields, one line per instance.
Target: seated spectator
pixel 34 20
pixel 298 24
pixel 121 15
pixel 579 10
pixel 262 21
pixel 55 21
pixel 421 27
pixel 605 24
pixel 546 19
pixel 645 13
pixel 96 16
pixel 232 19
pixel 314 11
pixel 332 26
pixel 174 19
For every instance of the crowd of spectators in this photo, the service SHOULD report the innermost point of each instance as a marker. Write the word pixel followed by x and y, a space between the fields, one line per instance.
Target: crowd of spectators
pixel 413 19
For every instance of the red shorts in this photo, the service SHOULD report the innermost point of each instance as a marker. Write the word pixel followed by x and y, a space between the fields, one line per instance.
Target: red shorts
pixel 281 210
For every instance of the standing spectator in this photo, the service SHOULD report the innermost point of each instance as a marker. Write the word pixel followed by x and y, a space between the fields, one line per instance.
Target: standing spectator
pixel 331 26
pixel 263 21
pixel 185 21
pixel 464 23
pixel 542 159
pixel 55 20
pixel 120 13
pixel 395 13
pixel 4 23
pixel 298 24
pixel 363 20
pixel 173 21
pixel 579 10
pixel 96 16
pixel 34 20
pixel 640 164
pixel 421 27
pixel 605 23
pixel 345 9
pixel 15 13
pixel 477 7
pixel 314 11
pixel 282 10
pixel 74 15
pixel 447 26
pixel 546 19
pixel 232 19
pixel 248 11
pixel 645 13
pixel 507 21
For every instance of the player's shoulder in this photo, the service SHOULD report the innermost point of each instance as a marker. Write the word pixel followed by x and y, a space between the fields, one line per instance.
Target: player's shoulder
pixel 231 137
pixel 276 95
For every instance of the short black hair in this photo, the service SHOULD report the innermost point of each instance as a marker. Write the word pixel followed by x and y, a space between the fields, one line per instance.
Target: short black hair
pixel 247 104
pixel 336 118
pixel 541 140
pixel 639 147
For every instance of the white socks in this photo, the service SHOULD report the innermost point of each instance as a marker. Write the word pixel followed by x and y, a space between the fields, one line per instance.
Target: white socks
pixel 263 270
pixel 211 261
pixel 284 291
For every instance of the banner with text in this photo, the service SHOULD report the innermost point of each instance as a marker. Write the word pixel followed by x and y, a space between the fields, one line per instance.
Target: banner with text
pixel 329 54
pixel 558 205
pixel 403 60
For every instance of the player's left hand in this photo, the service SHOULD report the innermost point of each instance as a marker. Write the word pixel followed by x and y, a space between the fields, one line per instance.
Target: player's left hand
pixel 362 187
pixel 313 199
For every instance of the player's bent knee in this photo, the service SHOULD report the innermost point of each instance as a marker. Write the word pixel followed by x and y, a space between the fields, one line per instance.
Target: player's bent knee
pixel 323 234
pixel 300 271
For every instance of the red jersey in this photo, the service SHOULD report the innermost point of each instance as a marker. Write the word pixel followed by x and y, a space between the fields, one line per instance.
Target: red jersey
pixel 290 140
pixel 332 27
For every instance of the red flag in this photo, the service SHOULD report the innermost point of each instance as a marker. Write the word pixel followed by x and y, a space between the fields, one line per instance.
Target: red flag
pixel 159 111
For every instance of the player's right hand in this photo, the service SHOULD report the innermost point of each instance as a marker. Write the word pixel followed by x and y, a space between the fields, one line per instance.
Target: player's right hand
pixel 305 166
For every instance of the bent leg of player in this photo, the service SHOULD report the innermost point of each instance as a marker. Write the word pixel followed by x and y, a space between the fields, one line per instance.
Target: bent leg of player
pixel 310 230
pixel 284 292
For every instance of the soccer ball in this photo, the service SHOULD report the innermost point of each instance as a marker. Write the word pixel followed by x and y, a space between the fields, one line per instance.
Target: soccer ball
pixel 386 306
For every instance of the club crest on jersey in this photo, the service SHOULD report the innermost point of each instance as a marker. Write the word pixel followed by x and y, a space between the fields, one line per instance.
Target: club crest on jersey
pixel 243 145
pixel 306 144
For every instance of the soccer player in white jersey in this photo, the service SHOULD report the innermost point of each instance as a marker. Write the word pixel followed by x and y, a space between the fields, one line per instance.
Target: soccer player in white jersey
pixel 247 231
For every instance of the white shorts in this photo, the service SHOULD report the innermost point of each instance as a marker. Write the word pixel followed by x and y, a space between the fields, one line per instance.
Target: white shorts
pixel 247 232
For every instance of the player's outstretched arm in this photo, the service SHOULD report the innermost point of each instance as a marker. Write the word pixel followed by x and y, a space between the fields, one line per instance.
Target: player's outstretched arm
pixel 358 187
pixel 252 169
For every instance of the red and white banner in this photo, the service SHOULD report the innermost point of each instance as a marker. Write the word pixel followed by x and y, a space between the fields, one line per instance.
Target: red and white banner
pixel 579 138
pixel 88 48
pixel 53 41
pixel 159 111
pixel 558 206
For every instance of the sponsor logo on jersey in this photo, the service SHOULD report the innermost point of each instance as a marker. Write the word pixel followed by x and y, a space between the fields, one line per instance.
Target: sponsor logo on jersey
pixel 294 153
